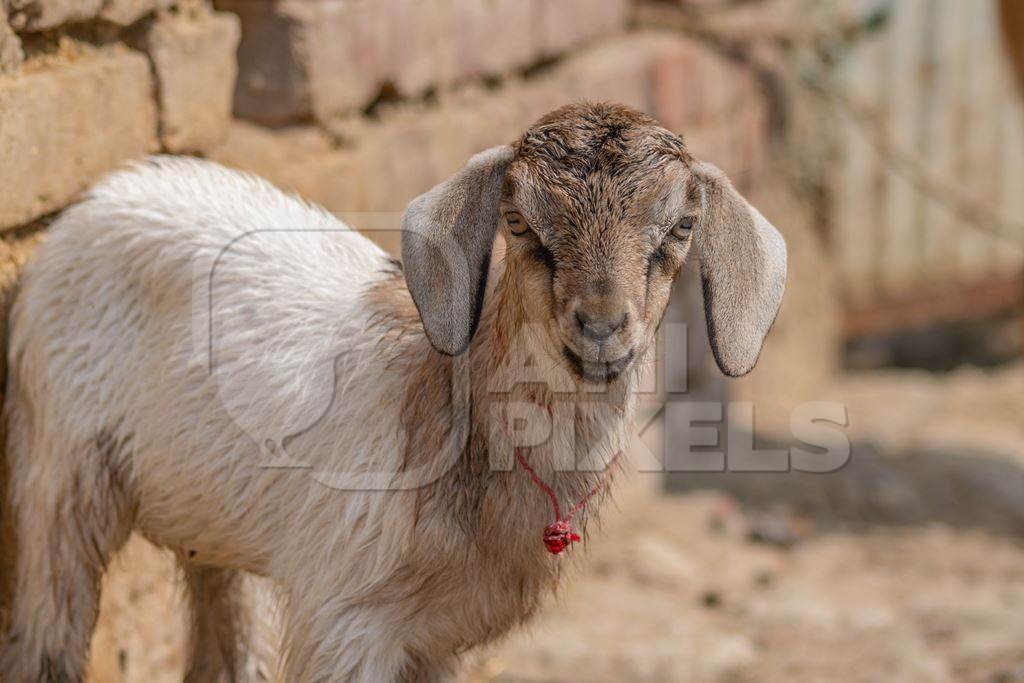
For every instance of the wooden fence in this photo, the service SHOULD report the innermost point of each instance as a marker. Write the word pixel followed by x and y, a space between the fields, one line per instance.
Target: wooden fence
pixel 938 86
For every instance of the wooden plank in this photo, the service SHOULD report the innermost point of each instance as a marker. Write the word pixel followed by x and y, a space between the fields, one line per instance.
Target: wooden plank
pixel 946 140
pixel 1008 258
pixel 925 139
pixel 860 178
pixel 985 95
pixel 900 253
pixel 940 86
pixel 881 176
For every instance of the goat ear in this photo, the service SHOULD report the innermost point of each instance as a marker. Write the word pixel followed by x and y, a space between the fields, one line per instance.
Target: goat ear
pixel 447 236
pixel 743 268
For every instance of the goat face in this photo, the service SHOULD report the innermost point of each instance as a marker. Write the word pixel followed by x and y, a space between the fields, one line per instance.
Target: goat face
pixel 597 227
pixel 599 206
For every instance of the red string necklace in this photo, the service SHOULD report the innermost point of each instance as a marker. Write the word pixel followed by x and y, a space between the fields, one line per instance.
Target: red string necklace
pixel 559 535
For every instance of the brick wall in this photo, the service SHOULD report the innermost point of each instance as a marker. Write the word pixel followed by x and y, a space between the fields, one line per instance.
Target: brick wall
pixel 357 105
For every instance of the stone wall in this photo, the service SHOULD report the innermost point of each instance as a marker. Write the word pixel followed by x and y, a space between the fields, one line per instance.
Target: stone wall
pixel 370 102
pixel 354 104
pixel 78 99
pixel 366 167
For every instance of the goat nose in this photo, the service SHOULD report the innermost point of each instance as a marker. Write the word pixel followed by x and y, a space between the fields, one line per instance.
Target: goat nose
pixel 598 329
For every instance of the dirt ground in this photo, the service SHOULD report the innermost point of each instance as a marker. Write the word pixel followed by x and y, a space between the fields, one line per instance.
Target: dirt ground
pixel 673 589
pixel 676 590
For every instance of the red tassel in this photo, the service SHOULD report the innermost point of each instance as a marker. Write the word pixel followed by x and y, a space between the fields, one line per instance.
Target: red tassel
pixel 559 536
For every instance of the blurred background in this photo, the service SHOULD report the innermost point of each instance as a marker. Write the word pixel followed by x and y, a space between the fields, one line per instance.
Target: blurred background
pixel 884 138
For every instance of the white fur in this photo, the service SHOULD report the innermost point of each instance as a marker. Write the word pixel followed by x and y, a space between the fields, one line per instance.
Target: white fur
pixel 121 418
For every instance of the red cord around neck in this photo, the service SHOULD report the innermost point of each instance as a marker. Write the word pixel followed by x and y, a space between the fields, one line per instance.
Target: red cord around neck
pixel 559 535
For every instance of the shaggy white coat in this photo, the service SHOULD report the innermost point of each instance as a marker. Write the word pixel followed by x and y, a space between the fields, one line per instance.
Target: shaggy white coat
pixel 187 319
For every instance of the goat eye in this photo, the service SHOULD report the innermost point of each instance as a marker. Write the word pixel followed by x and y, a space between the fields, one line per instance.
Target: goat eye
pixel 516 223
pixel 683 228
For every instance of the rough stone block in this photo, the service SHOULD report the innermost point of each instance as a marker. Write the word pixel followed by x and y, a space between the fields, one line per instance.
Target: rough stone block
pixel 349 51
pixel 127 12
pixel 411 147
pixel 325 58
pixel 357 49
pixel 677 86
pixel 298 58
pixel 542 96
pixel 489 119
pixel 194 60
pixel 64 126
pixel 619 72
pixel 39 15
pixel 486 38
pixel 639 70
pixel 11 54
pixel 273 85
pixel 418 52
pixel 561 25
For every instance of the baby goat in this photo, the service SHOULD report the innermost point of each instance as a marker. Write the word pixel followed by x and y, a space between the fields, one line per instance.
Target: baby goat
pixel 183 318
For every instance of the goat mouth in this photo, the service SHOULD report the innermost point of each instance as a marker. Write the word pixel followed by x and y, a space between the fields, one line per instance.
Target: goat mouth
pixel 598 372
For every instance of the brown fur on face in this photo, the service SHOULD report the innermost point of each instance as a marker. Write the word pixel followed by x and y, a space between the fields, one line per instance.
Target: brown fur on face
pixel 601 187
